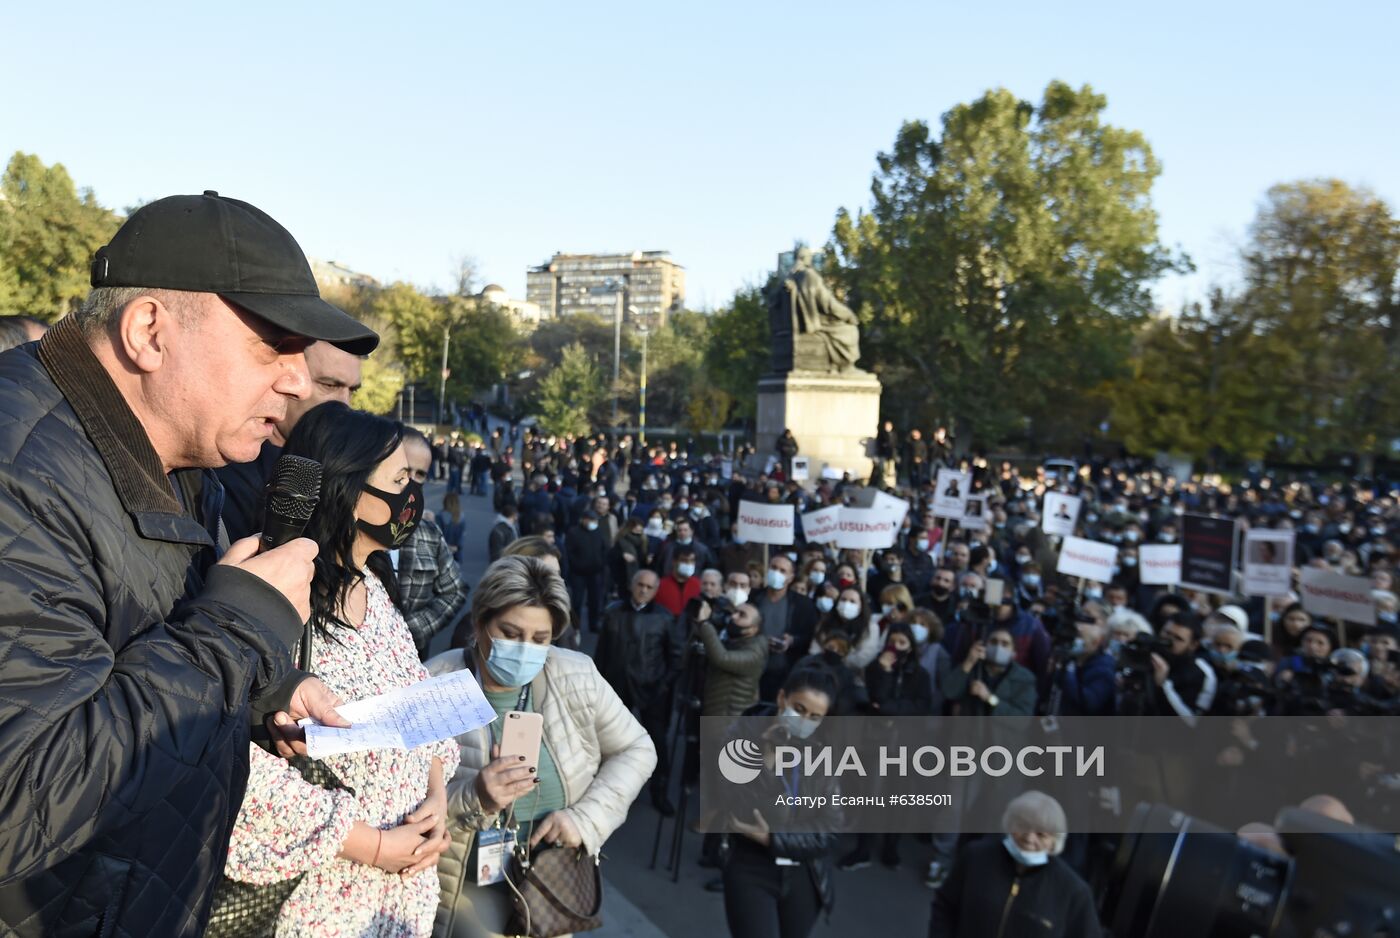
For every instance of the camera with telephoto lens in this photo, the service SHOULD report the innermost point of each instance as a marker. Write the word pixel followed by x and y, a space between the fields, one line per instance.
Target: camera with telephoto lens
pixel 1062 621
pixel 1174 875
pixel 1136 655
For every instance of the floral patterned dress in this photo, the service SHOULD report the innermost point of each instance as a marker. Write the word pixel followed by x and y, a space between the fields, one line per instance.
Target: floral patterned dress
pixel 288 826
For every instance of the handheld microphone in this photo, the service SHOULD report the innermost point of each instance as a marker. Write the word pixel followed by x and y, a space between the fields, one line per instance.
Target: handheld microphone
pixel 289 500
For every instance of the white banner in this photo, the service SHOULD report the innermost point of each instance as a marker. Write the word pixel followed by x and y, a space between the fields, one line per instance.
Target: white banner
pixel 1334 595
pixel 821 527
pixel 1159 564
pixel 766 524
pixel 975 514
pixel 895 507
pixel 950 493
pixel 1092 560
pixel 1060 514
pixel 1268 562
pixel 867 529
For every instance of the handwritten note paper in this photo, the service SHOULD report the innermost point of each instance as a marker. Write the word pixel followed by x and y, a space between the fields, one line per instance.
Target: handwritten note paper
pixel 405 718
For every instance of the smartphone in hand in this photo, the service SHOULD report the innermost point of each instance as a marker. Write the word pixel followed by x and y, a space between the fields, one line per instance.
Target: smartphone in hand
pixel 522 735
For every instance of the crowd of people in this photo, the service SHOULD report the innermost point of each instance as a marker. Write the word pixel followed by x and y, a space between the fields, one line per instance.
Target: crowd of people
pixel 950 621
pixel 157 657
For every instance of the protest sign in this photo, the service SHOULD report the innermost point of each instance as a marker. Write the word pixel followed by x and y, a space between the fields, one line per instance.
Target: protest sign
pixel 766 524
pixel 726 468
pixel 1207 553
pixel 1335 595
pixel 866 529
pixel 1092 560
pixel 1060 514
pixel 801 470
pixel 896 508
pixel 1159 564
pixel 949 494
pixel 820 527
pixel 974 514
pixel 1268 562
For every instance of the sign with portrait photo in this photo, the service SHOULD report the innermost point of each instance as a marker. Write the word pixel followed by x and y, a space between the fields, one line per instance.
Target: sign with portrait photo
pixel 1060 514
pixel 950 493
pixel 1268 562
pixel 975 514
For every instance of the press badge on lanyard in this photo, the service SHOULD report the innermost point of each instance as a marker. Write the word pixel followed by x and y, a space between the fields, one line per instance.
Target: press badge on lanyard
pixel 492 848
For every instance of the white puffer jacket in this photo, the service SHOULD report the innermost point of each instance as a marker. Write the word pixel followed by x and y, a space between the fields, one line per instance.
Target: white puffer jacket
pixel 603 755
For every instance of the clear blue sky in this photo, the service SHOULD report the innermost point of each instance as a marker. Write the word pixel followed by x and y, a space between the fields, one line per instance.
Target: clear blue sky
pixel 396 137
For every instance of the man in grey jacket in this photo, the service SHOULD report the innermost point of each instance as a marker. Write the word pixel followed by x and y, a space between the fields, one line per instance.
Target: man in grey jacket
pixel 129 647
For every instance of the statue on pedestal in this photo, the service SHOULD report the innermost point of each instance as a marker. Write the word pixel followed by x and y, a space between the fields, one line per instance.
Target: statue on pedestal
pixel 812 330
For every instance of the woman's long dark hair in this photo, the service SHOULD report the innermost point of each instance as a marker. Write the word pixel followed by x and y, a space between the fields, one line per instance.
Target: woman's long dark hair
pixel 348 444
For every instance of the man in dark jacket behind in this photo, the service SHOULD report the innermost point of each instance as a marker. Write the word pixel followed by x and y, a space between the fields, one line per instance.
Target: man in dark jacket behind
pixel 639 653
pixel 128 646
pixel 586 548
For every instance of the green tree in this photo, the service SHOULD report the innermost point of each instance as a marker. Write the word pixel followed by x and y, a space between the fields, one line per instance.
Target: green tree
pixel 736 354
pixel 380 384
pixel 569 395
pixel 1199 386
pixel 1321 281
pixel 48 233
pixel 1004 265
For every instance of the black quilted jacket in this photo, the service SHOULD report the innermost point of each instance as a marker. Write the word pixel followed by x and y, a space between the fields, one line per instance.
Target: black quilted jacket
pixel 126 662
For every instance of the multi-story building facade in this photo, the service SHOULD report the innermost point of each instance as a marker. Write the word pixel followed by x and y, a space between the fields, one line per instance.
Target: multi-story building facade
pixel 650 282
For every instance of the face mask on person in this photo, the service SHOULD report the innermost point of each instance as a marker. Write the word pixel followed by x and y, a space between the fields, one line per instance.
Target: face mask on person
pixel 684 506
pixel 591 525
pixel 848 610
pixel 922 545
pixel 792 557
pixel 1031 581
pixel 1130 562
pixel 1094 594
pixel 816 577
pixel 845 582
pixel 1224 657
pixel 1023 559
pixel 1114 647
pixel 405 511
pixel 775 579
pixel 798 727
pixel 738 596
pixel 1025 857
pixel 825 603
pixel 515 664
pixel 740 540
pixel 685 569
pixel 1077 648
pixel 999 655
pixel 886 609
pixel 1167 537
pixel 920 633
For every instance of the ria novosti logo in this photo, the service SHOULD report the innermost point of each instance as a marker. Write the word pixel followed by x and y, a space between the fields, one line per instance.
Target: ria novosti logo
pixel 740 761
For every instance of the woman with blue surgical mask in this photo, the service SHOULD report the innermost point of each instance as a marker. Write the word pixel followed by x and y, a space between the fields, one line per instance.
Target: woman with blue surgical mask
pixel 518 609
pixel 1017 885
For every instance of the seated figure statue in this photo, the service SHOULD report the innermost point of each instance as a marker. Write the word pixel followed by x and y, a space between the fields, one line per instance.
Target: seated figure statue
pixel 812 329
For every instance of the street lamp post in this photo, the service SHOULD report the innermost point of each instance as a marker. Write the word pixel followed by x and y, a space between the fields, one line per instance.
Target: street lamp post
pixel 642 399
pixel 618 288
pixel 442 382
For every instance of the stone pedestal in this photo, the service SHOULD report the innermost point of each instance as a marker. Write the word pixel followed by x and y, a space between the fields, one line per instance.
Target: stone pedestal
pixel 833 417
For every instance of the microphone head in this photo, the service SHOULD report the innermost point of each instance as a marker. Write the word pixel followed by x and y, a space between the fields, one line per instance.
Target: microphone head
pixel 294 489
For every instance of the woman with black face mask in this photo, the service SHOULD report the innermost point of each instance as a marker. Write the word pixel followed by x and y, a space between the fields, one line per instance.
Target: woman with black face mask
pixel 361 844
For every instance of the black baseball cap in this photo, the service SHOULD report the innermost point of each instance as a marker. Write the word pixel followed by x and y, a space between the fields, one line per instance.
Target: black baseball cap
pixel 213 244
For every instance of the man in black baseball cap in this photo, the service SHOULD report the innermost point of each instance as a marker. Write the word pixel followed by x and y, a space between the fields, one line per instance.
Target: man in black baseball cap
pixel 213 244
pixel 139 646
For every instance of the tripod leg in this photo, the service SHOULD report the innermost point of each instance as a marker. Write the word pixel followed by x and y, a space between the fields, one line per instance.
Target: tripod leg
pixel 677 719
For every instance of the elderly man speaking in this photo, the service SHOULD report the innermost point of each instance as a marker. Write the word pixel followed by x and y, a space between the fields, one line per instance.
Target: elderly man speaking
pixel 131 638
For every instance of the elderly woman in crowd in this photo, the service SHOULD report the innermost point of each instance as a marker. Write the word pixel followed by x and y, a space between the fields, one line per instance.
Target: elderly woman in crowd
pixel 594 759
pixel 1016 886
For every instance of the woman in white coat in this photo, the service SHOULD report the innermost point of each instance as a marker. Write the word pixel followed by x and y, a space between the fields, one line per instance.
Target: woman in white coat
pixel 594 760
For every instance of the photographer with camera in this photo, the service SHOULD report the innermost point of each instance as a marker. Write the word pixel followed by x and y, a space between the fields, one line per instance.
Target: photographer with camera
pixel 735 654
pixel 1183 682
